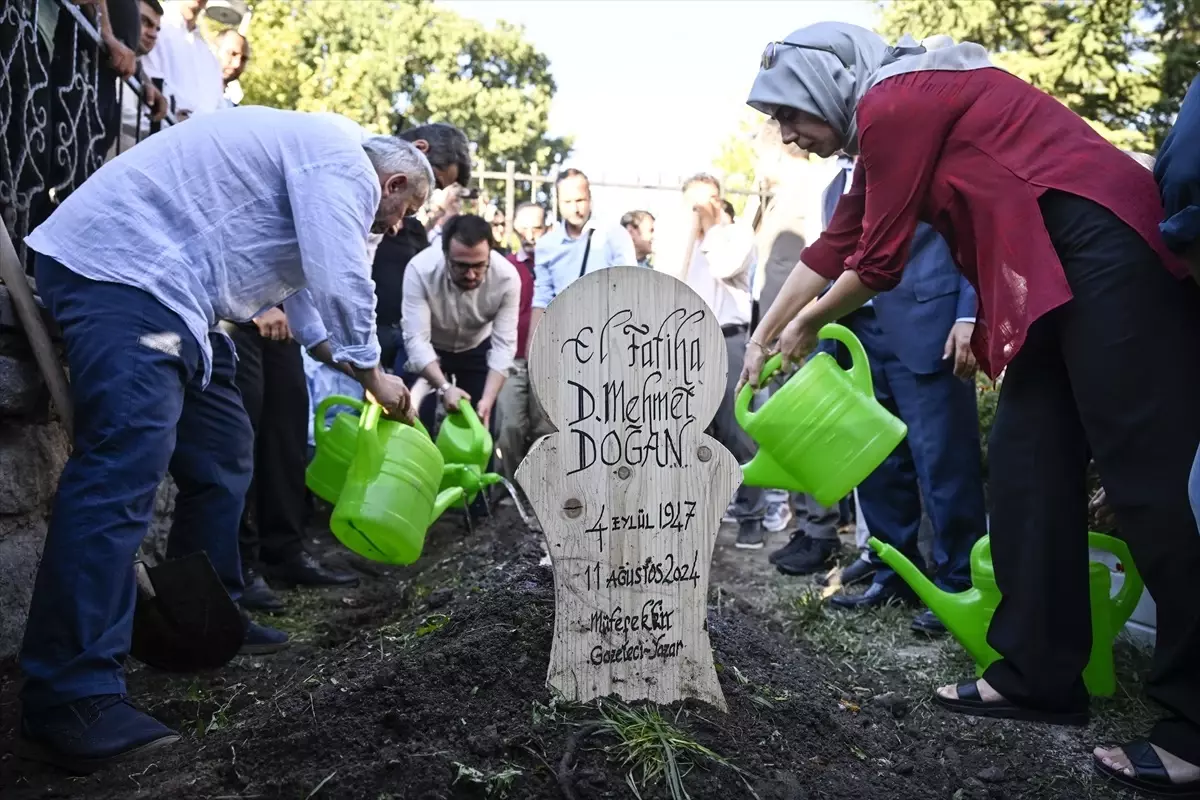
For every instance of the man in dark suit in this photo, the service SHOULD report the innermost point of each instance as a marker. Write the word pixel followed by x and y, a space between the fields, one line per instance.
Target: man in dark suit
pixel 917 337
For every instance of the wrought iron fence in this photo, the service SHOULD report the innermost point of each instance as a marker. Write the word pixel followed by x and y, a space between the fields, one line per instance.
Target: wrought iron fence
pixel 55 92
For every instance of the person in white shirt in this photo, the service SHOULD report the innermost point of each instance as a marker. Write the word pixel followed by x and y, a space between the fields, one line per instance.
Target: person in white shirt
pixel 190 71
pixel 461 306
pixel 233 54
pixel 221 218
pixel 718 269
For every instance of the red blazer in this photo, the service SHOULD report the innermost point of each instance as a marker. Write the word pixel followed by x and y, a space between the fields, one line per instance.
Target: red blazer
pixel 970 153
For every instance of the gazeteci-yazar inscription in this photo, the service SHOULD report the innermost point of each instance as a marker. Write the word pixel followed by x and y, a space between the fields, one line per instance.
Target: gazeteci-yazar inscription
pixel 630 366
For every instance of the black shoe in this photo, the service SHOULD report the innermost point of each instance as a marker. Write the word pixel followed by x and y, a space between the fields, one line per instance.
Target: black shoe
pixel 302 569
pixel 257 596
pixel 798 541
pixel 875 596
pixel 927 623
pixel 261 640
pixel 751 535
pixel 860 571
pixel 814 555
pixel 90 733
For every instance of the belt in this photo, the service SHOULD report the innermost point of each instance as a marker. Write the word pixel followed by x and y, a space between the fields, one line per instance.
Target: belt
pixel 734 330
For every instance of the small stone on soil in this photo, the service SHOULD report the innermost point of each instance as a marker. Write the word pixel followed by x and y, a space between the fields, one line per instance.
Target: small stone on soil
pixel 896 704
pixel 903 768
pixel 992 775
pixel 440 597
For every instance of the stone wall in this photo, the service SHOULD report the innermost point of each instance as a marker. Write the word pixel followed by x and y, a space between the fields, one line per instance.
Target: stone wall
pixel 33 449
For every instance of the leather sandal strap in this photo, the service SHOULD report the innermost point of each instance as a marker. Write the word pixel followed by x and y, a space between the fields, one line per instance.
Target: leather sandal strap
pixel 968 690
pixel 1145 761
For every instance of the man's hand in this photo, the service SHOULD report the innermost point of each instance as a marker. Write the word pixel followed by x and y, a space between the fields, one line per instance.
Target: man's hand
pixel 120 58
pixel 273 325
pixel 484 409
pixel 390 392
pixel 156 101
pixel 452 397
pixel 958 350
pixel 707 216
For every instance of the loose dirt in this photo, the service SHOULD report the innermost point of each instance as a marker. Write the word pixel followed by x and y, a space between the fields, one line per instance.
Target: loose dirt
pixel 428 682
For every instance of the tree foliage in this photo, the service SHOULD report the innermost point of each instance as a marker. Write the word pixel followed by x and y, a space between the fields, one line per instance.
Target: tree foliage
pixel 1124 65
pixel 735 161
pixel 390 64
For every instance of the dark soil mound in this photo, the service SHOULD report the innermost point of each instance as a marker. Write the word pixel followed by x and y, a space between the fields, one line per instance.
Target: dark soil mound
pixel 448 699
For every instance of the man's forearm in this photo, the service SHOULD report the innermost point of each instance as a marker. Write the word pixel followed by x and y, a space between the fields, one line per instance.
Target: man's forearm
pixel 495 382
pixel 323 352
pixel 432 372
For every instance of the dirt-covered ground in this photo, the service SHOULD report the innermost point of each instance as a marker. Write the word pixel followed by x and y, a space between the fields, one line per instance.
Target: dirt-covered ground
pixel 428 682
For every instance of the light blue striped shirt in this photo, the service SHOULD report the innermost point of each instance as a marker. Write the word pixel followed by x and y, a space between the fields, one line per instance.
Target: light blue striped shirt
pixel 232 213
pixel 558 258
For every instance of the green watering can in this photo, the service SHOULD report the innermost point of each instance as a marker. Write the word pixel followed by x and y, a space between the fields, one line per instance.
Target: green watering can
pixel 968 614
pixel 823 431
pixel 336 445
pixel 466 447
pixel 390 496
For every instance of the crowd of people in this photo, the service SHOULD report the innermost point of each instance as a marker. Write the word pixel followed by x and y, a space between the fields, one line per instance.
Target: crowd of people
pixel 266 259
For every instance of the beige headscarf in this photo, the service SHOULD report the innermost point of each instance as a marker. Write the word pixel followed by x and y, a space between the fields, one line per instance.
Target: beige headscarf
pixel 825 69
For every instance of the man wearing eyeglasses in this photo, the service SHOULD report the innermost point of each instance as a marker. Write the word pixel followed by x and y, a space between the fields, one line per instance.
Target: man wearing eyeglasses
pixel 461 306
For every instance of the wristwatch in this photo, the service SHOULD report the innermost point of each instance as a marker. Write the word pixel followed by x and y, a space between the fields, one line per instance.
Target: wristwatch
pixel 445 386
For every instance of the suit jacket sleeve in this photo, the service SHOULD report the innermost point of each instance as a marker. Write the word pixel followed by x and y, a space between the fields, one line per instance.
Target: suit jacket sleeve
pixel 968 301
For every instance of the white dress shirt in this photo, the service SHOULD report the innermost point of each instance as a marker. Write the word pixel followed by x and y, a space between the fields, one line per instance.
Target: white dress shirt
pixel 231 214
pixel 440 314
pixel 720 272
pixel 188 67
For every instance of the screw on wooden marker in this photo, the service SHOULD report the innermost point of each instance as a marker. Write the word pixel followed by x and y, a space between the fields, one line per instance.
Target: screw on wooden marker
pixel 703 453
pixel 573 508
pixel 624 472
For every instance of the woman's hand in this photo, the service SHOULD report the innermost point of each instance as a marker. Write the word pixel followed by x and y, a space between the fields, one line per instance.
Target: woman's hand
pixel 752 364
pixel 798 340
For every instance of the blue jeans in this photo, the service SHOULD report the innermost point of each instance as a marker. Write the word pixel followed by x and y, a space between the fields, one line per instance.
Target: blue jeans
pixel 139 411
pixel 1194 488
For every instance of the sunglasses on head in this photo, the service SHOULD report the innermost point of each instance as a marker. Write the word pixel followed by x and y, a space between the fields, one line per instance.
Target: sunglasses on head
pixel 771 52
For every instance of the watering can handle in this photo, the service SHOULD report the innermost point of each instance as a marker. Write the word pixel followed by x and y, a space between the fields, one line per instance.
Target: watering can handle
pixel 321 415
pixel 860 373
pixel 370 419
pixel 1130 592
pixel 741 404
pixel 468 411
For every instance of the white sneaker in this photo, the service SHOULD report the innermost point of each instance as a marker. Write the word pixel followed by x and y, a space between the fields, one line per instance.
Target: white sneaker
pixel 778 517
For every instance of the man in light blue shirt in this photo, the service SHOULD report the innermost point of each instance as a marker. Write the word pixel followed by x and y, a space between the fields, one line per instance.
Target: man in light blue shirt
pixel 574 246
pixel 220 218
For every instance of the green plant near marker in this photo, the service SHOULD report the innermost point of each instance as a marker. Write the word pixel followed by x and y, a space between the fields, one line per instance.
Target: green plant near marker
pixel 495 784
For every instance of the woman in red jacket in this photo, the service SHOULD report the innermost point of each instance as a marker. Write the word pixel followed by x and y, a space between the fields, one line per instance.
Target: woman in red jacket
pixel 1080 303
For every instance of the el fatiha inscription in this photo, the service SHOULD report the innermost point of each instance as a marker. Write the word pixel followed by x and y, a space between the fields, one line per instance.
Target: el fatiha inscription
pixel 630 365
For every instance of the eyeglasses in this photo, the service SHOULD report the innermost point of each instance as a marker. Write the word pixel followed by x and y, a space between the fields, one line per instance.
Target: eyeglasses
pixel 771 52
pixel 463 268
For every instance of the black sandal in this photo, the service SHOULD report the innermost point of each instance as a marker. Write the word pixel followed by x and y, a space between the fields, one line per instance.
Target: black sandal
pixel 969 702
pixel 1150 777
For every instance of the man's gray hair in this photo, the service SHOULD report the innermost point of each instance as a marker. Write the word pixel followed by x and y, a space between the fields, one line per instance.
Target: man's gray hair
pixel 391 155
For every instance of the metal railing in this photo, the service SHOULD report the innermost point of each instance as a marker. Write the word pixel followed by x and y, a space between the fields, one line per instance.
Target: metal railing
pixel 51 129
pixel 533 185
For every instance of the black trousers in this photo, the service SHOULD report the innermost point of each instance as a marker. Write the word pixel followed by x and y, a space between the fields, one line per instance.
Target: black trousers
pixel 1112 374
pixel 270 376
pixel 468 370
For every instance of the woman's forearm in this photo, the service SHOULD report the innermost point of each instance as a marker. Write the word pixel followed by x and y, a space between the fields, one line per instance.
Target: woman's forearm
pixel 801 288
pixel 847 294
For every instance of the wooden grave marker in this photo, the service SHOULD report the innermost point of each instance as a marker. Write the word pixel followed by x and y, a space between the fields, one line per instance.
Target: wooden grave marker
pixel 630 365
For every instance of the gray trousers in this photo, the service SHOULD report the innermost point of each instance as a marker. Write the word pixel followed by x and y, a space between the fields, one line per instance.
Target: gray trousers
pixel 749 503
pixel 520 419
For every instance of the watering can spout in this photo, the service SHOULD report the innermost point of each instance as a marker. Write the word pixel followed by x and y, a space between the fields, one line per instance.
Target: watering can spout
pixel 766 472
pixel 962 613
pixel 445 499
